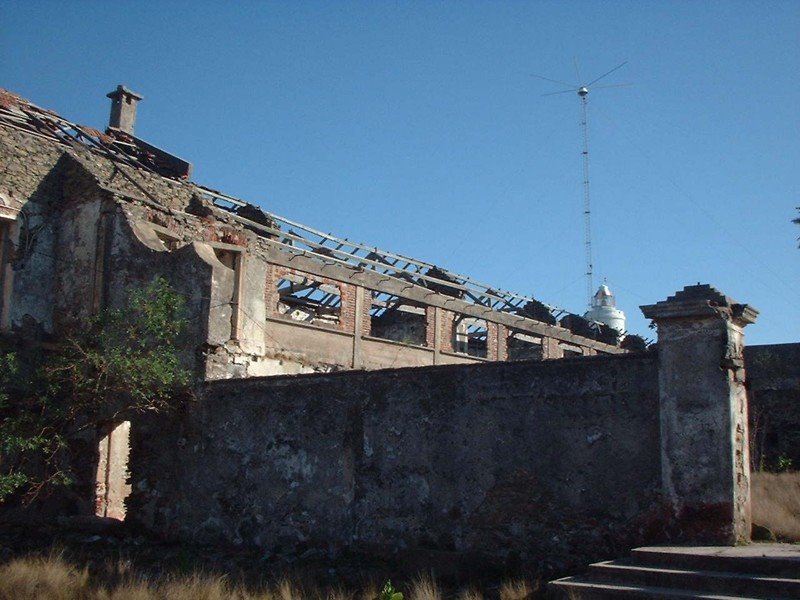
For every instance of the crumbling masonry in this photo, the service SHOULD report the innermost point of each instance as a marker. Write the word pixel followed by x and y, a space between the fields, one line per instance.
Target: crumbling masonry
pixel 482 452
pixel 86 215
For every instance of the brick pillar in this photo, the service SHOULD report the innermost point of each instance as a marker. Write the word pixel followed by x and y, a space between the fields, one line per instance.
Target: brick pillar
pixel 348 313
pixel 492 341
pixel 705 464
pixel 366 317
pixel 502 343
pixel 551 348
pixel 358 326
pixel 446 319
pixel 433 331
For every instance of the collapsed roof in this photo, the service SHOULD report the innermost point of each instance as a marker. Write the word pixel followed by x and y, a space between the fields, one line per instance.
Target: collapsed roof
pixel 123 147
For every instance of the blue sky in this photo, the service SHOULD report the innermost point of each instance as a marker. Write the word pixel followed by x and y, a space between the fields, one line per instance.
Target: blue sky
pixel 419 127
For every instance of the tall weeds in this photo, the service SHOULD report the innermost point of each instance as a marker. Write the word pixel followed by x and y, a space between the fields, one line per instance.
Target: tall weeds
pixel 43 578
pixel 517 590
pixel 52 577
pixel 424 588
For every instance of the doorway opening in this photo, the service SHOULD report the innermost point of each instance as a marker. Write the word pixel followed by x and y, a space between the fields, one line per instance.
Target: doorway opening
pixel 112 487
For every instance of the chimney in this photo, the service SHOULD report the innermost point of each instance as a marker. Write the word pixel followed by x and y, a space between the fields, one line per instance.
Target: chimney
pixel 123 109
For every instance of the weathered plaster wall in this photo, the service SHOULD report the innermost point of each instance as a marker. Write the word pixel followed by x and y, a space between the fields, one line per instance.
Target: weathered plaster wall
pixel 705 453
pixel 555 459
pixel 135 256
pixel 692 415
pixel 78 276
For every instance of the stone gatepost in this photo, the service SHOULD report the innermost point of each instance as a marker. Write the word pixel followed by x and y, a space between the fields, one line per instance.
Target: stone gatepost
pixel 705 463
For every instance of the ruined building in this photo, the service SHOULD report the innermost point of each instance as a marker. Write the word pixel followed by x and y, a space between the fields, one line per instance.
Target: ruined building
pixel 488 457
pixel 86 215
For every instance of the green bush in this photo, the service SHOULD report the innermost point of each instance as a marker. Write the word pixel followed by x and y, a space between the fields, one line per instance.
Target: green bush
pixel 124 361
pixel 389 593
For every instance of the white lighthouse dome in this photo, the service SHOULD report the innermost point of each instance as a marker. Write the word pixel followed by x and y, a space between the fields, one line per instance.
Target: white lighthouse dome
pixel 604 310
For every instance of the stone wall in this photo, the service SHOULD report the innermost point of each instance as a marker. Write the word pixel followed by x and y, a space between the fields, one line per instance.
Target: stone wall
pixel 773 382
pixel 536 459
pixel 568 460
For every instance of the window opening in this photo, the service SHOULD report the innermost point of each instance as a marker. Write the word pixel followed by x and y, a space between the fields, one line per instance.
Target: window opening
pixel 112 482
pixel 309 301
pixel 523 346
pixel 571 351
pixel 397 319
pixel 470 336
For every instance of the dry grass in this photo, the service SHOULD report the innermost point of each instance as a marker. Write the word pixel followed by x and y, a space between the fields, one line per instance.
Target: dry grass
pixel 52 577
pixel 517 590
pixel 776 503
pixel 42 578
pixel 199 587
pixel 125 591
pixel 424 588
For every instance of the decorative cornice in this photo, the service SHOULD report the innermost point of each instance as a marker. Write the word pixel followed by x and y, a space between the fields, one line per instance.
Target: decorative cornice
pixel 700 301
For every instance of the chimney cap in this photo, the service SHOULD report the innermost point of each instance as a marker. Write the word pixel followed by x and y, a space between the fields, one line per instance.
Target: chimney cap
pixel 124 91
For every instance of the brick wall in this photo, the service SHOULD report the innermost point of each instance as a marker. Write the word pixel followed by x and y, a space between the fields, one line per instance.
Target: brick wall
pixel 347 294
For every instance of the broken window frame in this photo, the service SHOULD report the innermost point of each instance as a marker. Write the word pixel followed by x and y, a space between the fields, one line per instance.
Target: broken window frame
pixel 527 339
pixel 310 293
pixel 469 342
pixel 383 303
pixel 570 350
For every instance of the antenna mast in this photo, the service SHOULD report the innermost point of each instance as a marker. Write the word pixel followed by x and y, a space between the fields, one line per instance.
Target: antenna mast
pixel 583 94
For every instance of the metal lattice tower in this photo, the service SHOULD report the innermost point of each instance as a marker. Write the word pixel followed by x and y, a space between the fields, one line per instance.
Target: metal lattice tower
pixel 583 94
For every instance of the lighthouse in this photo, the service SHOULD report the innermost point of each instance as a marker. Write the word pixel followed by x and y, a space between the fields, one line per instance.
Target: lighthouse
pixel 604 310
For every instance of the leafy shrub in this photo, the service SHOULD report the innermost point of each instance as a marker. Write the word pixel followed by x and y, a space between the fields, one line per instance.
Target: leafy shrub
pixel 123 361
pixel 389 593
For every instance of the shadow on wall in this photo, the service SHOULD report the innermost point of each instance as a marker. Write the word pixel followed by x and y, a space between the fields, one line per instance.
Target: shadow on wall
pixel 28 254
pixel 773 382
